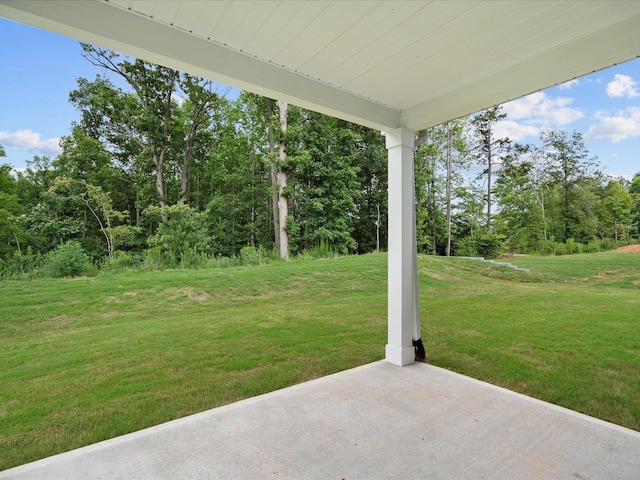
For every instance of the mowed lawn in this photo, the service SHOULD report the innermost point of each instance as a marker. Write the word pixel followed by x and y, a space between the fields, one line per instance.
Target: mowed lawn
pixel 83 360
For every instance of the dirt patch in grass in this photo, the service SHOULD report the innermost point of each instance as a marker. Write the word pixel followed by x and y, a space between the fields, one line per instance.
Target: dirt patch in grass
pixel 188 292
pixel 628 248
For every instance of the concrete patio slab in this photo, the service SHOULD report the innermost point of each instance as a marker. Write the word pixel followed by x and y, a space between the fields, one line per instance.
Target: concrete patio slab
pixel 375 421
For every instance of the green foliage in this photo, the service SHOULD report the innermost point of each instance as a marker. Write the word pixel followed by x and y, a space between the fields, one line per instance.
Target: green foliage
pixel 182 231
pixel 211 165
pixel 430 199
pixel 481 243
pixel 323 181
pixel 370 200
pixel 573 182
pixel 250 256
pixel 21 265
pixel 42 223
pixel 67 260
pixel 35 180
pixel 323 250
pixel 121 261
pixel 10 208
pixel 254 256
pixel 615 212
pixel 570 247
pixel 490 151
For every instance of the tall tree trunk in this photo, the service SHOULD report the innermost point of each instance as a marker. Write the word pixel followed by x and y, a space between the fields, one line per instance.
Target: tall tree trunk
pixel 184 169
pixel 283 205
pixel 448 188
pixel 540 199
pixel 274 176
pixel 432 199
pixel 489 168
pixel 158 162
pixel 201 104
pixel 158 159
pixel 378 229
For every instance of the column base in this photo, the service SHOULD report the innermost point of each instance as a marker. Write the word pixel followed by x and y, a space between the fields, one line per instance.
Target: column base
pixel 400 356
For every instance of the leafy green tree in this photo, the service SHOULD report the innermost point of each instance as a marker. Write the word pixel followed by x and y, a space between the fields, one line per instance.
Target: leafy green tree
pixel 481 243
pixel 35 180
pixel 10 207
pixel 370 198
pixel 8 184
pixel 430 194
pixel 151 119
pixel 468 215
pixel 634 191
pixel 521 218
pixel 52 223
pixel 438 162
pixel 573 182
pixel 96 200
pixel 234 181
pixel 73 209
pixel 164 116
pixel 489 150
pixel 67 260
pixel 183 231
pixel 259 124
pixel 194 116
pixel 323 182
pixel 86 159
pixel 615 212
pixel 47 221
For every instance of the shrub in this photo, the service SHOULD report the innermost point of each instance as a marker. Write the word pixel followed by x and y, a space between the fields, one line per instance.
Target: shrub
pixel 121 262
pixel 573 247
pixel 250 256
pixel 608 244
pixel 481 244
pixel 182 233
pixel 593 246
pixel 67 260
pixel 254 256
pixel 323 250
pixel 21 265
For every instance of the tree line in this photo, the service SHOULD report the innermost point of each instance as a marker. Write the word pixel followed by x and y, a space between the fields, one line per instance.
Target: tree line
pixel 170 171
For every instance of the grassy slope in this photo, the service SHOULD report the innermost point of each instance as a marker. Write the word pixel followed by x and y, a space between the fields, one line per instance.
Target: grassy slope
pixel 568 333
pixel 84 360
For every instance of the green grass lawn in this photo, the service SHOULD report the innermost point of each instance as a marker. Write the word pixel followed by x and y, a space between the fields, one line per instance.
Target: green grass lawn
pixel 88 359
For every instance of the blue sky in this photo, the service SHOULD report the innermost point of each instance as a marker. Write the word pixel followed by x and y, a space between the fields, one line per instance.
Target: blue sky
pixel 39 69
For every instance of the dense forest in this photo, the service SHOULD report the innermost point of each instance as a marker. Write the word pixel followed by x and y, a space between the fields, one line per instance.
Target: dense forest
pixel 171 172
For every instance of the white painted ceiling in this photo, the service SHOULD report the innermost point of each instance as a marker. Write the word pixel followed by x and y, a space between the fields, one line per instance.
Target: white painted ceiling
pixel 384 64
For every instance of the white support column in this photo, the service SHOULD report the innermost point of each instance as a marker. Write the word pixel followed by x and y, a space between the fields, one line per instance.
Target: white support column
pixel 402 288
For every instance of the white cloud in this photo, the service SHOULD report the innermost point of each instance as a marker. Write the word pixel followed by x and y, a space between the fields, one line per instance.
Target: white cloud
pixel 622 86
pixel 15 171
pixel 568 85
pixel 539 109
pixel 615 176
pixel 28 140
pixel 527 116
pixel 514 130
pixel 615 128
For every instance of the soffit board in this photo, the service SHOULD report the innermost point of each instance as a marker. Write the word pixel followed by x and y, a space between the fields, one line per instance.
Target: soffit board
pixel 379 63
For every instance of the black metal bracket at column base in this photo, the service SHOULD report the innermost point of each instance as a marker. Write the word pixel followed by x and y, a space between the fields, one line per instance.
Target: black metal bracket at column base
pixel 419 348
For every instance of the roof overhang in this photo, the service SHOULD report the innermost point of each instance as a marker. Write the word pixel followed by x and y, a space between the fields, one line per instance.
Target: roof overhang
pixel 378 63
